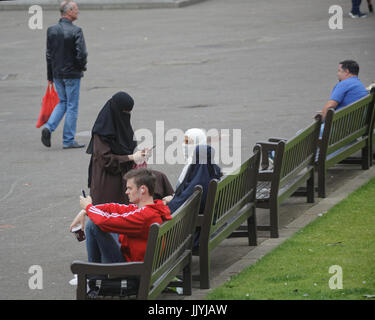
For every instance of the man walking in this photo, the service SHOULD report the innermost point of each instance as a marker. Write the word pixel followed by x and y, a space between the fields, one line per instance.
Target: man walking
pixel 66 60
pixel 356 12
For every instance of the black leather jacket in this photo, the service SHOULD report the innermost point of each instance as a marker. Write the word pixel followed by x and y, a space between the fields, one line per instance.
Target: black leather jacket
pixel 66 51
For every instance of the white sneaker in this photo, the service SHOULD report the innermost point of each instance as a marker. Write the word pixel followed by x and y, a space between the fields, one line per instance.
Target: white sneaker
pixel 74 281
pixel 354 16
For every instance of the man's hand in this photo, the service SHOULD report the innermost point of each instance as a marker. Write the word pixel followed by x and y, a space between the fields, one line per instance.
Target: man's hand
pixel 79 220
pixel 84 202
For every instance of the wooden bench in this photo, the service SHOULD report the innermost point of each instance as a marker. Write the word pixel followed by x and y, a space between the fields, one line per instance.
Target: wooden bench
pixel 293 167
pixel 229 203
pixel 346 132
pixel 168 253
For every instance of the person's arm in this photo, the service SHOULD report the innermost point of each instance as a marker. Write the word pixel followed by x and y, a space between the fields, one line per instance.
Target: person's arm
pixel 330 104
pixel 81 52
pixel 49 57
pixel 79 219
pixel 114 217
pixel 110 161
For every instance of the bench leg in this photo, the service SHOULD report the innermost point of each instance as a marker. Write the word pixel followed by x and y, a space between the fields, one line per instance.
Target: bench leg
pixel 365 158
pixel 187 279
pixel 204 268
pixel 274 220
pixel 321 182
pixel 252 229
pixel 310 189
pixel 81 287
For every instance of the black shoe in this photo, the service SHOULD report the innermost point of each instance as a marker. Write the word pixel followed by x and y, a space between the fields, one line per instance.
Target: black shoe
pixel 370 8
pixel 74 145
pixel 46 137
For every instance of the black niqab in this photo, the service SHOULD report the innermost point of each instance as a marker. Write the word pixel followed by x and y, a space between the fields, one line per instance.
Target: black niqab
pixel 113 125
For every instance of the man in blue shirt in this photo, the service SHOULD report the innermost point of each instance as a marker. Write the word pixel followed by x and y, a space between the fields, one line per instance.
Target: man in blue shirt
pixel 349 88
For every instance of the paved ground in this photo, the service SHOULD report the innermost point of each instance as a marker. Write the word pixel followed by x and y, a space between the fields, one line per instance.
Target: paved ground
pixel 258 66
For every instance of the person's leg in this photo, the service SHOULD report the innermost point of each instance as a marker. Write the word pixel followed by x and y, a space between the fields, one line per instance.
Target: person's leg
pixel 72 87
pixel 60 109
pixel 102 247
pixel 355 6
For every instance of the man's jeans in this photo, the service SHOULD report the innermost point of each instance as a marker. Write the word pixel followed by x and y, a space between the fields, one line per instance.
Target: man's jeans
pixel 355 6
pixel 102 247
pixel 68 92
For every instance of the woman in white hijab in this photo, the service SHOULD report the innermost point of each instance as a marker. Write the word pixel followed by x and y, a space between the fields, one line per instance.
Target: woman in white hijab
pixel 193 138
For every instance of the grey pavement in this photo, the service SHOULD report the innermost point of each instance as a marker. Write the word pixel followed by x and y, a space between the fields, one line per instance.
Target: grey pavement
pixel 259 66
pixel 99 4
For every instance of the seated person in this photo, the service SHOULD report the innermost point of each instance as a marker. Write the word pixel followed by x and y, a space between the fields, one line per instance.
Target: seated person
pixel 349 89
pixel 118 232
pixel 192 138
pixel 200 171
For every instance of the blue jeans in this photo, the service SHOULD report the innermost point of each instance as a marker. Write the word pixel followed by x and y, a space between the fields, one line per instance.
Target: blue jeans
pixel 102 247
pixel 68 92
pixel 355 6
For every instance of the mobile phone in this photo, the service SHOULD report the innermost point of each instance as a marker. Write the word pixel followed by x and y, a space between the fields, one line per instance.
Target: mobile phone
pixel 153 146
pixel 83 193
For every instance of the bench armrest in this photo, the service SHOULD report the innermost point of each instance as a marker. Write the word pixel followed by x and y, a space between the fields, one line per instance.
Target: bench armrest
pixel 273 139
pixel 125 268
pixel 266 147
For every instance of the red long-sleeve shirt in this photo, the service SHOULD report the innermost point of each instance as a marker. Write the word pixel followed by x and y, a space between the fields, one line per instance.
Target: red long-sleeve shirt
pixel 131 222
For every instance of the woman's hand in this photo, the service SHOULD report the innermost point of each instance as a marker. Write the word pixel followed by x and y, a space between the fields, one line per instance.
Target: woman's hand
pixel 139 157
pixel 79 220
pixel 167 199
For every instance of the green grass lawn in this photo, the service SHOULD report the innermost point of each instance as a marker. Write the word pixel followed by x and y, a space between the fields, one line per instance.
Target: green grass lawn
pixel 299 267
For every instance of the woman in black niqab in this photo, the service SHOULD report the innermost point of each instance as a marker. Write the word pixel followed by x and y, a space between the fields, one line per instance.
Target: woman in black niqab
pixel 112 148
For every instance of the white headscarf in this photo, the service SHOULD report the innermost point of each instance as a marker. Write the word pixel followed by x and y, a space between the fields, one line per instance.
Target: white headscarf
pixel 198 137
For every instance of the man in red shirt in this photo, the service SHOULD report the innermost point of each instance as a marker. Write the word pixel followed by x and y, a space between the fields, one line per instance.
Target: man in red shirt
pixel 117 232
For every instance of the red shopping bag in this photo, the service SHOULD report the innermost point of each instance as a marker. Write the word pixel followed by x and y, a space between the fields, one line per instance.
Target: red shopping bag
pixel 49 102
pixel 141 165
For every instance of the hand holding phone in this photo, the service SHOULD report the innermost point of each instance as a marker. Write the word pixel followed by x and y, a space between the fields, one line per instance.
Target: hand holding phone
pixel 149 151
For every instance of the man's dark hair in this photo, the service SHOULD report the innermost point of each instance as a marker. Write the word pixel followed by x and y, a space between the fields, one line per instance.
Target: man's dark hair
pixel 350 65
pixel 142 177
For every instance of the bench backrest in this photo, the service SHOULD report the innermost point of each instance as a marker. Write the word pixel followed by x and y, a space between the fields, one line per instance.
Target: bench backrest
pixel 347 124
pixel 227 197
pixel 295 155
pixel 170 243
